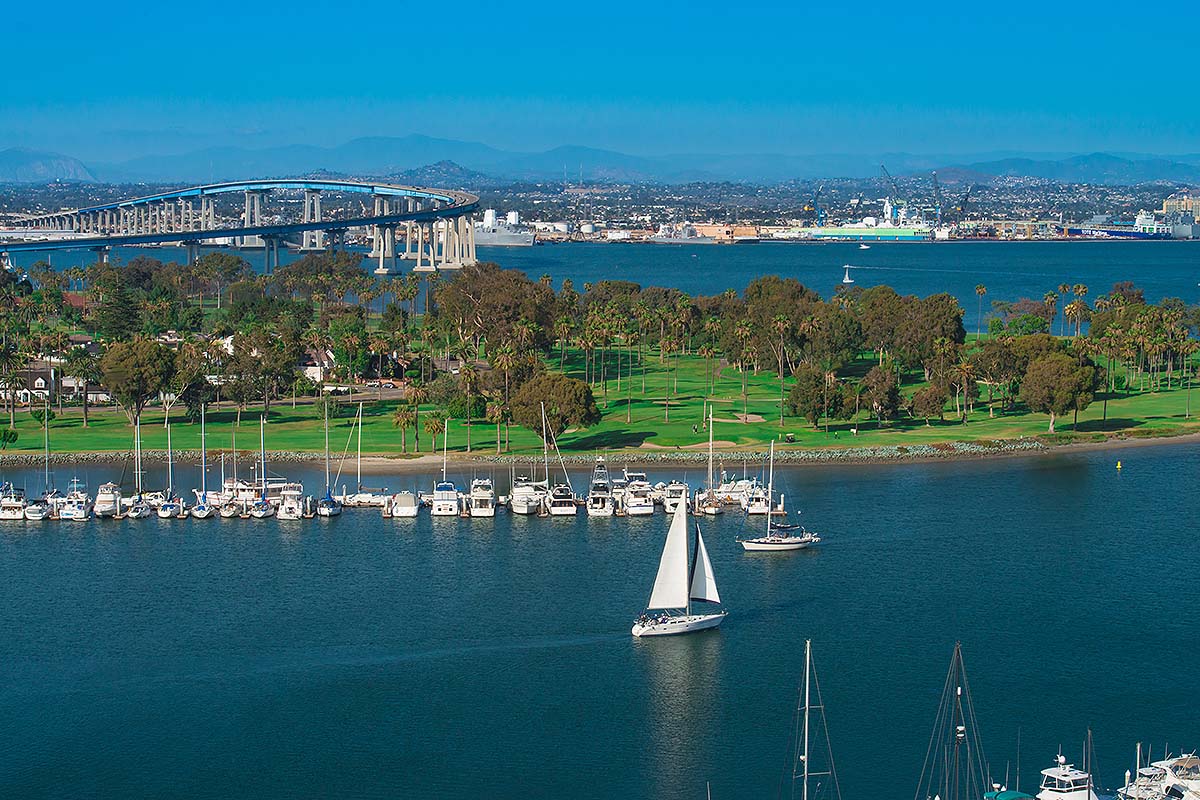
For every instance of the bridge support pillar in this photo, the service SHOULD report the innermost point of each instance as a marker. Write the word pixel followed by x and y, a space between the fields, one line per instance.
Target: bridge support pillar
pixel 208 214
pixel 102 253
pixel 253 218
pixel 193 251
pixel 312 240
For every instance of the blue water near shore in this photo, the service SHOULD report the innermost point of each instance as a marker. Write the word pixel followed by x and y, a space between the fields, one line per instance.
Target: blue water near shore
pixel 366 658
pixel 1009 270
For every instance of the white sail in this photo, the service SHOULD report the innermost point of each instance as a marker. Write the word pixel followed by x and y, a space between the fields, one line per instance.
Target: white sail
pixel 704 583
pixel 671 584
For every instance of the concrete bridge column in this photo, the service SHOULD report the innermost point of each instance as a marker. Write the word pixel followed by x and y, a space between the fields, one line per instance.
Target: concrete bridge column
pixel 382 208
pixel 102 253
pixel 312 240
pixel 471 241
pixel 253 218
pixel 208 214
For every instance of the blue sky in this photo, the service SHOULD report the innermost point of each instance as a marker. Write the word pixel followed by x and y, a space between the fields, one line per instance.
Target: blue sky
pixel 106 83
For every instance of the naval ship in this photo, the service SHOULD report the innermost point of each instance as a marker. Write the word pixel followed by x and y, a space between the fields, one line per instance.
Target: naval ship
pixel 509 232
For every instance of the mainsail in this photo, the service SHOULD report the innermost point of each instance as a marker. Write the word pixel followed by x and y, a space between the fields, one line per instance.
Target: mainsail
pixel 671 584
pixel 704 584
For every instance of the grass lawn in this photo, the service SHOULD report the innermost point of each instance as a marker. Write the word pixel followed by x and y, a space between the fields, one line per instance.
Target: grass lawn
pixel 300 429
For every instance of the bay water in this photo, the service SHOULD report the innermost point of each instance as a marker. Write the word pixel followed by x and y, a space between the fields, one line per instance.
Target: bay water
pixel 368 658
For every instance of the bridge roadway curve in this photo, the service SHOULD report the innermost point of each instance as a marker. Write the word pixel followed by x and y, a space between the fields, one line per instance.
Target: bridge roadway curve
pixel 452 204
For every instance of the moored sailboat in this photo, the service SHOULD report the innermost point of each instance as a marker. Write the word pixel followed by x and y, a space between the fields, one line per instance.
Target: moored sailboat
pixel 778 539
pixel 328 506
pixel 677 585
pixel 203 508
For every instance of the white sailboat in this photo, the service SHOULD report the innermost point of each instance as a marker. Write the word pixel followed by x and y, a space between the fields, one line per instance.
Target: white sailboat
pixel 362 497
pixel 203 509
pixel 172 506
pixel 781 538
pixel 328 506
pixel 678 584
pixel 138 507
pixel 262 508
pixel 40 509
pixel 710 503
pixel 444 502
pixel 529 496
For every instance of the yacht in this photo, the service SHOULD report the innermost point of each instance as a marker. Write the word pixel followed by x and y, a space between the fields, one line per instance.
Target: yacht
pixel 108 500
pixel 1064 782
pixel 778 538
pixel 600 501
pixel 138 508
pixel 710 501
pixel 444 501
pixel 174 508
pixel 757 502
pixel 403 505
pixel 639 497
pixel 230 509
pixel 676 492
pixel 12 502
pixel 528 496
pixel 481 501
pixel 262 509
pixel 1173 778
pixel 37 511
pixel 562 501
pixel 291 506
pixel 77 505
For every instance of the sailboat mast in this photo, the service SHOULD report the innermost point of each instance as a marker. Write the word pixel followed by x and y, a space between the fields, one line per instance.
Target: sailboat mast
pixel 262 444
pixel 445 446
pixel 807 706
pixel 771 499
pixel 360 421
pixel 170 466
pixel 46 437
pixel 203 459
pixel 545 446
pixel 710 453
pixel 137 454
pixel 327 492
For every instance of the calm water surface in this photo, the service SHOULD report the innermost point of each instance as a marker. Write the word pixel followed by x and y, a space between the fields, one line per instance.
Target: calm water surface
pixel 1009 270
pixel 362 657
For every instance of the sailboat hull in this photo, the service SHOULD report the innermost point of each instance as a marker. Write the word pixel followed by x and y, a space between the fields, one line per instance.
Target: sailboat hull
pixel 778 544
pixel 674 626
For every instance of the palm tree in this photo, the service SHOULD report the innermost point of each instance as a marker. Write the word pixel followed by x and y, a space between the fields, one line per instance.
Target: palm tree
pixel 12 367
pixel 781 323
pixel 504 358
pixel 404 418
pixel 497 412
pixel 434 426
pixel 980 291
pixel 82 366
pixel 416 393
pixel 744 332
pixel 469 376
pixel 379 344
pixel 1050 299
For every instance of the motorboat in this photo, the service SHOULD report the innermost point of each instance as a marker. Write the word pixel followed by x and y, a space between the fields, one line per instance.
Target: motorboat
pixel 600 502
pixel 108 500
pixel 639 498
pixel 1173 778
pixel 403 505
pixel 674 493
pixel 291 506
pixel 444 502
pixel 12 503
pixel 77 504
pixel 528 496
pixel 481 500
pixel 1064 781
pixel 758 502
pixel 561 502
pixel 681 580
pixel 37 511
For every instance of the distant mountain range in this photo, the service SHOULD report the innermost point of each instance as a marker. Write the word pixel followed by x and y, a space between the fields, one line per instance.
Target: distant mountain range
pixel 474 164
pixel 20 165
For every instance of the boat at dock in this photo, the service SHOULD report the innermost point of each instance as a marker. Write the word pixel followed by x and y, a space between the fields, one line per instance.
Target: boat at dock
pixel 328 506
pixel 600 501
pixel 12 502
pixel 203 509
pixel 402 505
pixel 444 502
pixel 481 500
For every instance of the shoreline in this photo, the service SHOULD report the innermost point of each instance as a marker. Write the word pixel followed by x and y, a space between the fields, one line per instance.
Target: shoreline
pixel 855 456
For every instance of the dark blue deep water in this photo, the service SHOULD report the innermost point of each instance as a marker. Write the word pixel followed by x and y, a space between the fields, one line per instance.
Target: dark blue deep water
pixel 1009 270
pixel 368 658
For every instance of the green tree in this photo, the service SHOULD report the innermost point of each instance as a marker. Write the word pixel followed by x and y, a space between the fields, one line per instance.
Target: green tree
pixel 136 372
pixel 84 367
pixel 1056 384
pixel 881 390
pixel 930 401
pixel 404 418
pixel 807 396
pixel 569 403
pixel 119 316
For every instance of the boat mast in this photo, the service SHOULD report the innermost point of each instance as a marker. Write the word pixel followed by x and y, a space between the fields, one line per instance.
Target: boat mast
pixel 770 513
pixel 46 436
pixel 710 454
pixel 360 417
pixel 170 467
pixel 203 459
pixel 137 455
pixel 807 697
pixel 262 443
pixel 327 489
pixel 545 446
pixel 445 446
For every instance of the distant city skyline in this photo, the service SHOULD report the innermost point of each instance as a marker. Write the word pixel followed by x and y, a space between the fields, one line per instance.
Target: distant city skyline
pixel 650 80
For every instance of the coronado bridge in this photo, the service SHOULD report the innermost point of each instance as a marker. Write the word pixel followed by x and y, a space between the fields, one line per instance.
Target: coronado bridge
pixel 432 228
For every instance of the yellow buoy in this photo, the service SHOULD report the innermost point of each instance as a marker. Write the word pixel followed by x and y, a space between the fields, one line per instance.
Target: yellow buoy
pixel 1118 465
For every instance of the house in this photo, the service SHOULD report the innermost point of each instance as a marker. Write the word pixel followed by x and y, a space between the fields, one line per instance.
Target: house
pixel 316 365
pixel 36 385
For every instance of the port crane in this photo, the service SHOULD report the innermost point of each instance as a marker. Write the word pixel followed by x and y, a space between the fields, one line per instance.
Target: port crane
pixel 893 195
pixel 960 212
pixel 814 207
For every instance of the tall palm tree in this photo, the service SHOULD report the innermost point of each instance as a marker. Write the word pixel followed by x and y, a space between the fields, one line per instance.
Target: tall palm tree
pixel 416 394
pixel 82 366
pixel 1050 299
pixel 404 418
pixel 469 376
pixel 980 291
pixel 781 323
pixel 12 368
pixel 434 426
pixel 504 358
